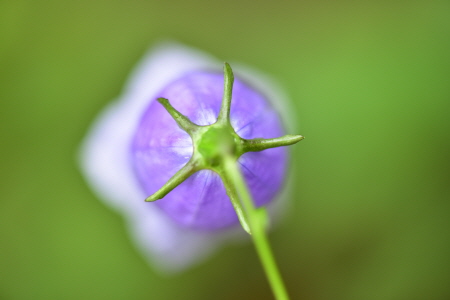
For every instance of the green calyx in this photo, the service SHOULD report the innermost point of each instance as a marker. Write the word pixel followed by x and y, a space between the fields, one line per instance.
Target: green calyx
pixel 216 145
pixel 217 142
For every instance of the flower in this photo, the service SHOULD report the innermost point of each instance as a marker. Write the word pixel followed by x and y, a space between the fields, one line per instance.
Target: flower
pixel 135 147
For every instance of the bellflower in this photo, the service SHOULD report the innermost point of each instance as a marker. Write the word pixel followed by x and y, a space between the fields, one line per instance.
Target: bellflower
pixel 135 147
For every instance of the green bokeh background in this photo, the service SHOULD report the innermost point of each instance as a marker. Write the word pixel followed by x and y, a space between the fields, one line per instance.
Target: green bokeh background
pixel 370 84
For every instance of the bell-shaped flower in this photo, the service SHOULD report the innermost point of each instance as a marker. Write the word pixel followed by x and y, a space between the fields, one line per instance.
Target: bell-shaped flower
pixel 136 146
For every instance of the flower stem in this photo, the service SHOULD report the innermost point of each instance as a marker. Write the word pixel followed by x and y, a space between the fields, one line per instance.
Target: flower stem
pixel 257 220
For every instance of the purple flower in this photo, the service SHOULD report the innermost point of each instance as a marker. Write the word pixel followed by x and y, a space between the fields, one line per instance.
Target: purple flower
pixel 161 148
pixel 136 146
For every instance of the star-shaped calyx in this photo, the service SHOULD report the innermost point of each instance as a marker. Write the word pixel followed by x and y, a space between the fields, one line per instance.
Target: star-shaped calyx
pixel 215 146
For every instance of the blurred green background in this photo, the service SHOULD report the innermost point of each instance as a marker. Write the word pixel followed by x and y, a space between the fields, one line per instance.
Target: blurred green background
pixel 370 83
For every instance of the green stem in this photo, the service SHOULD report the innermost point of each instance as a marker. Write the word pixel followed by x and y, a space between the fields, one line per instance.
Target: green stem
pixel 257 219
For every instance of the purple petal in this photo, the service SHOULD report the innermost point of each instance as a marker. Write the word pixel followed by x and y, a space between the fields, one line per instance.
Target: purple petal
pixel 161 148
pixel 105 157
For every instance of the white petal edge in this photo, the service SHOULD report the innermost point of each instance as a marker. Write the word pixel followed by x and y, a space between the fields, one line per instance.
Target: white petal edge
pixel 104 157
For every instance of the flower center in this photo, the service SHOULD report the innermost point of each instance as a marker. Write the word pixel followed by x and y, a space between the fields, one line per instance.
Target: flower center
pixel 217 142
